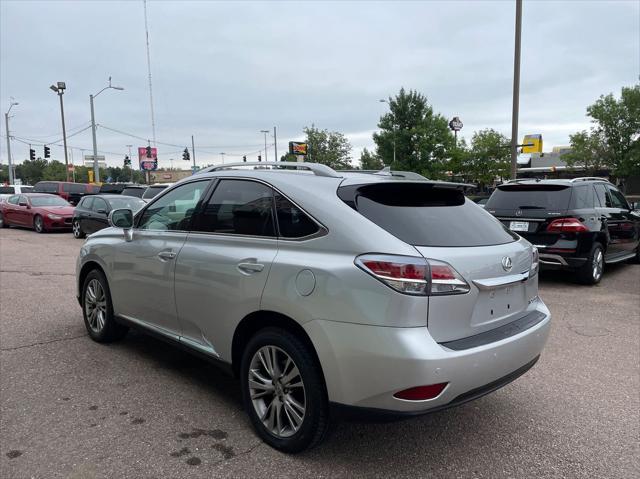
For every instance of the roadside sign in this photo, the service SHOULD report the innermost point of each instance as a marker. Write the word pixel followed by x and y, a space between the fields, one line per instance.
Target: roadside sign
pixel 70 167
pixel 532 143
pixel 456 124
pixel 297 148
pixel 148 163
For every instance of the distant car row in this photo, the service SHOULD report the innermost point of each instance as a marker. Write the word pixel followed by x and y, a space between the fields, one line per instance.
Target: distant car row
pixel 74 192
pixel 45 212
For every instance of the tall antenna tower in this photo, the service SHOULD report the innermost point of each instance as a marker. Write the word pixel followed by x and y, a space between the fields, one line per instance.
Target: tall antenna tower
pixel 146 29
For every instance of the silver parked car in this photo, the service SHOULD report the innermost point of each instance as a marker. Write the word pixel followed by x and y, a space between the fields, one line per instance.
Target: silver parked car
pixel 322 291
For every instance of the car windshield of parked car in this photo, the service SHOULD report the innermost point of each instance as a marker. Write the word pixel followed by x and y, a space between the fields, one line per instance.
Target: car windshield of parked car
pixel 530 197
pixel 48 201
pixel 427 215
pixel 152 191
pixel 128 202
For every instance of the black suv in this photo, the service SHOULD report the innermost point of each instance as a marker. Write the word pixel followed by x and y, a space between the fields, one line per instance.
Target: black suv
pixel 578 224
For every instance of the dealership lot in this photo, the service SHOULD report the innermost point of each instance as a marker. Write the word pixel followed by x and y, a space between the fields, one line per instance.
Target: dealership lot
pixel 138 408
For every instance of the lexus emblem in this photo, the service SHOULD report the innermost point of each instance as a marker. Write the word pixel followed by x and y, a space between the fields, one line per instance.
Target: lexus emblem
pixel 518 212
pixel 506 263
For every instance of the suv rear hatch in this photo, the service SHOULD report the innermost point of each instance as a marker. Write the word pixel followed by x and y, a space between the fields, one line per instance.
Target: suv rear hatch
pixel 529 209
pixel 443 226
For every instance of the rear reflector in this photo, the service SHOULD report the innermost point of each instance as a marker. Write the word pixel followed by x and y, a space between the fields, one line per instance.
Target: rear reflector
pixel 421 393
pixel 566 225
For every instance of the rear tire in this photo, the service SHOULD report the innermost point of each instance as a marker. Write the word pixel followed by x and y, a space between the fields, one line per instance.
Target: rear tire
pixel 38 224
pixel 3 223
pixel 97 309
pixel 289 409
pixel 77 230
pixel 591 272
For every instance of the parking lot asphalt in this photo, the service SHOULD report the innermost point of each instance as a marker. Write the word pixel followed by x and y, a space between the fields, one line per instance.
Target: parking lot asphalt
pixel 140 408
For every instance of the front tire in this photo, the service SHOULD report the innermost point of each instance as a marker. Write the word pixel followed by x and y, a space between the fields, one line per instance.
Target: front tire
pixel 77 230
pixel 97 309
pixel 283 391
pixel 591 272
pixel 38 224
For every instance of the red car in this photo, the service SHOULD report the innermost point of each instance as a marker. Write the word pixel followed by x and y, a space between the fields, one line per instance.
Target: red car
pixel 39 211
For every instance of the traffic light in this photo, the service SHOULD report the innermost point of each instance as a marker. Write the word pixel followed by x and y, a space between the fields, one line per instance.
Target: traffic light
pixel 32 154
pixel 127 160
pixel 47 152
pixel 259 157
pixel 244 158
pixel 185 155
pixel 149 152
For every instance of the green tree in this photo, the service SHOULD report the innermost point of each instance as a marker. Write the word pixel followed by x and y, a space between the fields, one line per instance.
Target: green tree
pixel 489 157
pixel 30 172
pixel 421 138
pixel 614 138
pixel 330 148
pixel 370 161
pixel 54 171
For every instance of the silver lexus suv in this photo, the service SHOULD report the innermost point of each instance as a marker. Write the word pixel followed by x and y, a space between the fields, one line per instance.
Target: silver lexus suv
pixel 322 291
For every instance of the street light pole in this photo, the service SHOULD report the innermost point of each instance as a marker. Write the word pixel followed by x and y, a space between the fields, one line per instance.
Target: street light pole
pixel 131 165
pixel 10 163
pixel 59 88
pixel 222 153
pixel 265 143
pixel 96 166
pixel 275 143
pixel 516 91
pixel 193 153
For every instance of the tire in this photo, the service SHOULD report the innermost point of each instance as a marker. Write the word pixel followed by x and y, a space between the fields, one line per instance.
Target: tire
pixel 38 224
pixel 299 428
pixel 3 223
pixel 77 230
pixel 636 258
pixel 591 272
pixel 97 309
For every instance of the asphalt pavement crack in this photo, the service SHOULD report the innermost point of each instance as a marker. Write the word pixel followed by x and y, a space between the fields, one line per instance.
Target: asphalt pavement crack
pixel 40 343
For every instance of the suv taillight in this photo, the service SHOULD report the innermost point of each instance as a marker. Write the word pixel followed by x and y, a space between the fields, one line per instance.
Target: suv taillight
pixel 413 275
pixel 566 225
pixel 535 262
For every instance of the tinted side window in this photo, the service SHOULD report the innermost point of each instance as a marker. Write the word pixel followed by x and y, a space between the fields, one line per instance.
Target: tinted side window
pixel 74 187
pixel 13 200
pixel 87 203
pixel 582 197
pixel 292 222
pixel 239 207
pixel 174 210
pixel 617 199
pixel 99 204
pixel 7 190
pixel 46 187
pixel 603 196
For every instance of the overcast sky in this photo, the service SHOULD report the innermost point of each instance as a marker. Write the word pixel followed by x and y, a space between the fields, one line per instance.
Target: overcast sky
pixel 223 71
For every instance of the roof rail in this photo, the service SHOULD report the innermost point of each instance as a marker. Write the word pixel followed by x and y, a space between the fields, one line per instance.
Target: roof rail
pixel 386 171
pixel 316 168
pixel 589 178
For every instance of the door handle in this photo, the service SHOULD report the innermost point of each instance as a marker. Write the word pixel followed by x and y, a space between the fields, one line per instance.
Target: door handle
pixel 166 255
pixel 250 268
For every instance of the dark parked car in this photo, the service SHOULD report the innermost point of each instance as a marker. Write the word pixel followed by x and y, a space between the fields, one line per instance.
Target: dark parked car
pixel 72 192
pixel 579 224
pixel 155 190
pixel 134 190
pixel 41 212
pixel 92 212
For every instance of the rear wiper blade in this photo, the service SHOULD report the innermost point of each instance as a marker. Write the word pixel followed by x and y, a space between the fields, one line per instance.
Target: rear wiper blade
pixel 532 207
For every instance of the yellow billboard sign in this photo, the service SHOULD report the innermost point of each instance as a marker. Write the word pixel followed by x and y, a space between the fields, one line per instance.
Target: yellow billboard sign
pixel 532 143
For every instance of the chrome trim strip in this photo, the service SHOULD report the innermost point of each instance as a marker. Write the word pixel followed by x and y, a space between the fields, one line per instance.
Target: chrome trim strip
pixel 552 259
pixel 490 283
pixel 152 327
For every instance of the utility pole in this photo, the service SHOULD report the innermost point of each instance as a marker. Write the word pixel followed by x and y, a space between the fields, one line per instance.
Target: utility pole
pixel 96 167
pixel 6 120
pixel 222 153
pixel 516 91
pixel 131 165
pixel 193 153
pixel 275 143
pixel 265 143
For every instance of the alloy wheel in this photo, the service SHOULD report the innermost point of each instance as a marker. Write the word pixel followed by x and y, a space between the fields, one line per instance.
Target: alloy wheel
pixel 76 229
pixel 95 305
pixel 277 391
pixel 597 265
pixel 38 224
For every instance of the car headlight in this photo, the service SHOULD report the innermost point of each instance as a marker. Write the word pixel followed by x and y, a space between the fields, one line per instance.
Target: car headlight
pixel 54 217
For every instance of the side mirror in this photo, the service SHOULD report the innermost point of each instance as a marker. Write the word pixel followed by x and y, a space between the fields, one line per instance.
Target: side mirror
pixel 121 218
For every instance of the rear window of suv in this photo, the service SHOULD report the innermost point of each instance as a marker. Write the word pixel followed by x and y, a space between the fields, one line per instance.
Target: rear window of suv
pixel 426 214
pixel 530 197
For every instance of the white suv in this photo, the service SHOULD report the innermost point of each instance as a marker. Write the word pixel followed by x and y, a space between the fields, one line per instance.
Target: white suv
pixel 322 289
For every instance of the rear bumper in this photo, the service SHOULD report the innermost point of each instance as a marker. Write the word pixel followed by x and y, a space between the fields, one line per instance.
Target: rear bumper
pixel 365 365
pixel 558 261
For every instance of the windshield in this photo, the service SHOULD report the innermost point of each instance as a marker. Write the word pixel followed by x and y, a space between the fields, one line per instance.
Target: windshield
pixel 137 192
pixel 426 215
pixel 152 191
pixel 530 197
pixel 48 201
pixel 128 202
